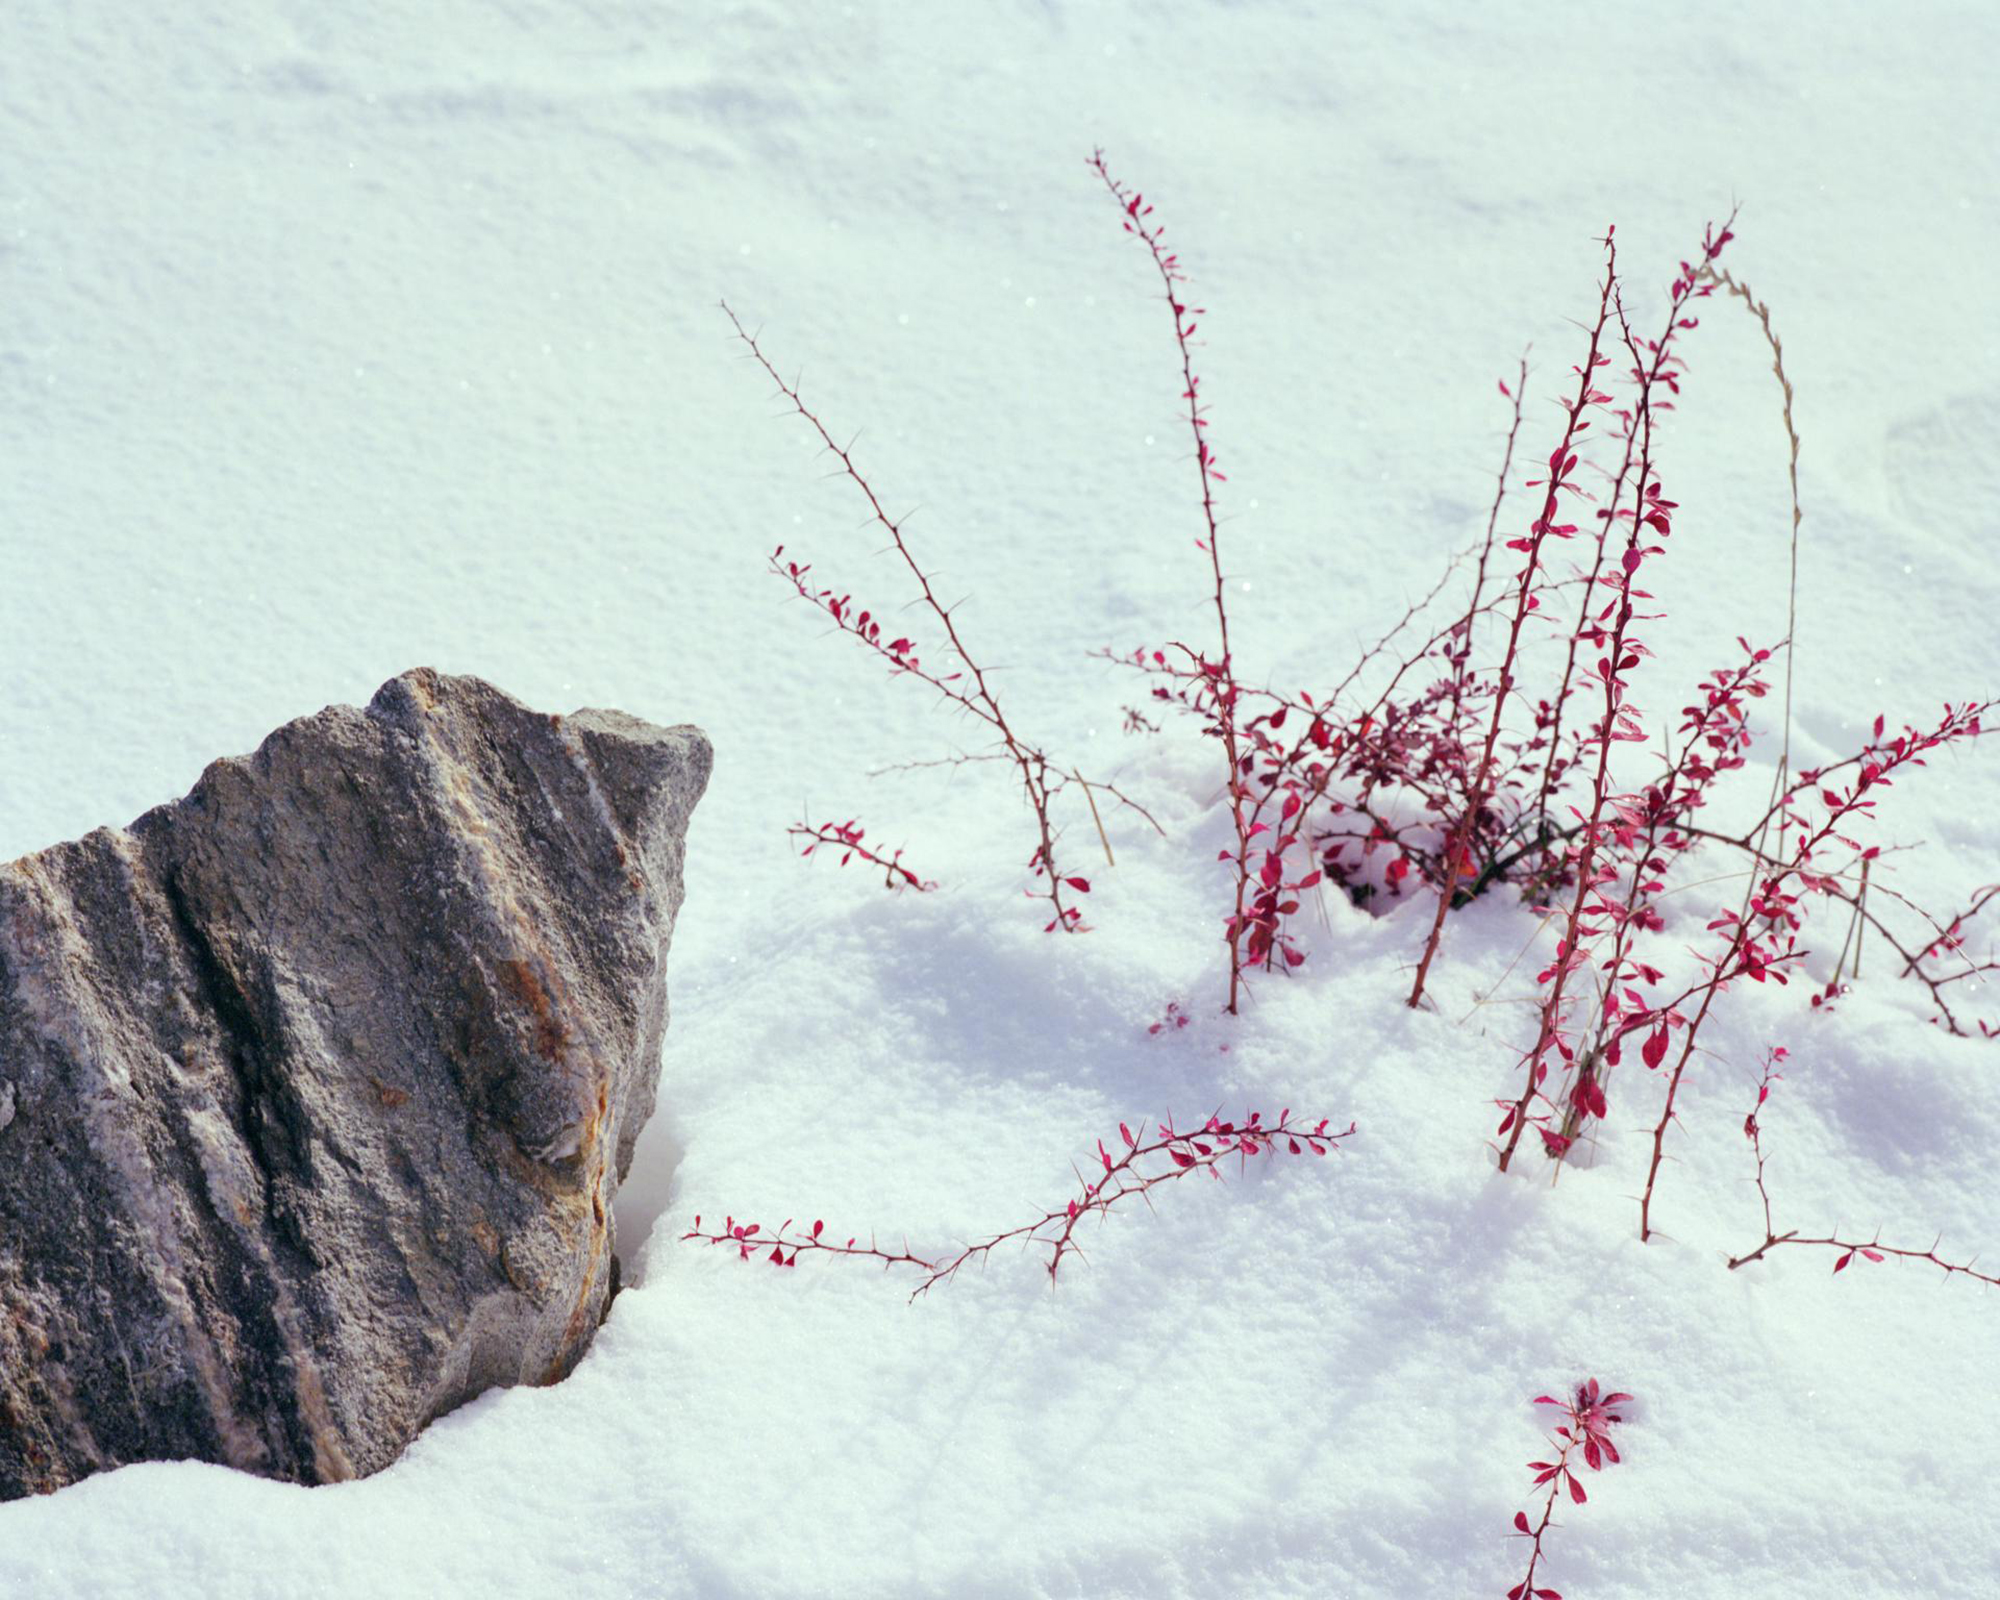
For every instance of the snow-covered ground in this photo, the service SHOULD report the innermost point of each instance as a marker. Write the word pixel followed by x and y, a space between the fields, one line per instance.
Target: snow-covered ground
pixel 336 339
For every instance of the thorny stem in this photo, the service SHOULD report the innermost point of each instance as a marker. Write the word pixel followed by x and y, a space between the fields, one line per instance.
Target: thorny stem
pixel 1030 762
pixel 1559 461
pixel 847 837
pixel 1540 1530
pixel 1612 671
pixel 1222 672
pixel 1641 425
pixel 1872 1250
pixel 1124 1177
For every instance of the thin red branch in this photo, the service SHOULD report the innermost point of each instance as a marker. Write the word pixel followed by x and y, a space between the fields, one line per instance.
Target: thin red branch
pixel 1140 1167
pixel 1872 1250
pixel 1221 672
pixel 1561 470
pixel 846 837
pixel 1031 764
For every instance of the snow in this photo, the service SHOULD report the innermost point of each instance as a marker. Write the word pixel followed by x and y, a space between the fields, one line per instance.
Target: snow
pixel 339 339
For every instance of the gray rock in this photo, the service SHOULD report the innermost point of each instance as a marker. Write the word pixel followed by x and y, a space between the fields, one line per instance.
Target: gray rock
pixel 316 1086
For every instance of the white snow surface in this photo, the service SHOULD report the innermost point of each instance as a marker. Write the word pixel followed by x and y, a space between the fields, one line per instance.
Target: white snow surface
pixel 336 339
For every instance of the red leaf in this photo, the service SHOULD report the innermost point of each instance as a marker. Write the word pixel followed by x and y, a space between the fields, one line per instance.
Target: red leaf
pixel 1080 885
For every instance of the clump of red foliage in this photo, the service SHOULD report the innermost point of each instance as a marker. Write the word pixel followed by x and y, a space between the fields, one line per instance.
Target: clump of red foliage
pixel 1583 1434
pixel 1458 775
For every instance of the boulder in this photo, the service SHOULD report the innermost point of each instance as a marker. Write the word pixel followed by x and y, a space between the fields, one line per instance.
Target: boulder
pixel 316 1085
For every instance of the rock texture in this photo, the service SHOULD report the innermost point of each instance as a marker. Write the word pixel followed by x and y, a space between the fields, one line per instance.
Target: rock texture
pixel 315 1086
